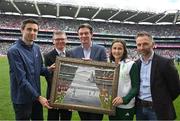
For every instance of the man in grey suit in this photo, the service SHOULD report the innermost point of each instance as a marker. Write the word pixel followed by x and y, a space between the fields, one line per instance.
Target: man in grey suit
pixel 159 82
pixel 88 51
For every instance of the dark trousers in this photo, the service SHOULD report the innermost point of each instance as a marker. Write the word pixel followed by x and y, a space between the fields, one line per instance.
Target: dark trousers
pixel 123 114
pixel 59 114
pixel 144 110
pixel 30 111
pixel 90 116
pixel 145 113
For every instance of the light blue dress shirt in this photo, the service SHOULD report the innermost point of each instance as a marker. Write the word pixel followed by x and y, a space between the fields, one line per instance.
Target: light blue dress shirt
pixel 145 74
pixel 87 52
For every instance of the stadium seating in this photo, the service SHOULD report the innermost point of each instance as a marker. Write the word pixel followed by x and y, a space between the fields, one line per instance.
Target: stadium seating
pixel 166 36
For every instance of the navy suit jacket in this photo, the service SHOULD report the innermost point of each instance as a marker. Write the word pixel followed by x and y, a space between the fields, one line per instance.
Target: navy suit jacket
pixel 165 86
pixel 98 53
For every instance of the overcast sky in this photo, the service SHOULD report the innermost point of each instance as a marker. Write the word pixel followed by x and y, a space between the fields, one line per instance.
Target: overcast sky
pixel 145 5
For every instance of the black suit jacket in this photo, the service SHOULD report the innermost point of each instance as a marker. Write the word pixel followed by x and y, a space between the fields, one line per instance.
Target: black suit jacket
pixel 49 59
pixel 165 86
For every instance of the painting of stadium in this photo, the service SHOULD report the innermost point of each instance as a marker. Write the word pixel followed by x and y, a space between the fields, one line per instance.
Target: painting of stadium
pixel 84 85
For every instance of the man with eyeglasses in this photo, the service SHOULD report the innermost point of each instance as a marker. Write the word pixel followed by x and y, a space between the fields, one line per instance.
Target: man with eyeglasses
pixel 59 41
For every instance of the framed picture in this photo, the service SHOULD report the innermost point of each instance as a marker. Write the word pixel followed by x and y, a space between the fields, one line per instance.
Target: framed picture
pixel 83 85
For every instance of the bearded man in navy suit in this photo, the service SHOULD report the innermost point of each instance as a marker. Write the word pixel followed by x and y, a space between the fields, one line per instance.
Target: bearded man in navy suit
pixel 159 82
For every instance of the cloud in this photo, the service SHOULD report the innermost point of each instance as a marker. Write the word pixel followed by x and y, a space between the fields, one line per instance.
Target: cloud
pixel 145 5
pixel 142 5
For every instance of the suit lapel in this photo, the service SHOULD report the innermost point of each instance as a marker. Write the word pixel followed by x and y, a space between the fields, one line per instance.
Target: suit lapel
pixel 153 68
pixel 67 53
pixel 93 52
pixel 55 53
pixel 81 52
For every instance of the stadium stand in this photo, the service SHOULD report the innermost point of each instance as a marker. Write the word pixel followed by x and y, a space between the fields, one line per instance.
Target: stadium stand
pixel 167 37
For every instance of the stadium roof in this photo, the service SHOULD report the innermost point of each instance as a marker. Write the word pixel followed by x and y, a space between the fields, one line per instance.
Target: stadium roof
pixel 23 7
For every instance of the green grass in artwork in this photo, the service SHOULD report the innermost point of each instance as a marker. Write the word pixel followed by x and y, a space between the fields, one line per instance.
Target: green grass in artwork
pixel 105 101
pixel 59 98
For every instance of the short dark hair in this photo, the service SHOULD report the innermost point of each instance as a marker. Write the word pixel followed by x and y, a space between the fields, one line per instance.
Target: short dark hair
pixel 86 25
pixel 27 21
pixel 144 33
pixel 124 56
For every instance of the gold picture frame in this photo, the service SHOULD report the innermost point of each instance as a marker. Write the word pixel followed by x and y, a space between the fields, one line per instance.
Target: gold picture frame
pixel 83 85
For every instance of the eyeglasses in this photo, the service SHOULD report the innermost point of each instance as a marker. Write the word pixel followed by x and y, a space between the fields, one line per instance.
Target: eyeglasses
pixel 59 39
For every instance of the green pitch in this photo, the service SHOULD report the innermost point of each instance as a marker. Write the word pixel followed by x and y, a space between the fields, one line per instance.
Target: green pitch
pixel 6 111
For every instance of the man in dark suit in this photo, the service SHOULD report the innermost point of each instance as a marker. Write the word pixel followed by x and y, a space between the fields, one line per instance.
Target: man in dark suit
pixel 88 51
pixel 159 82
pixel 59 41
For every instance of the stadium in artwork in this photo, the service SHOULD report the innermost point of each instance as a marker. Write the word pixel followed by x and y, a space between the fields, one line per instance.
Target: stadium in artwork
pixel 84 85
